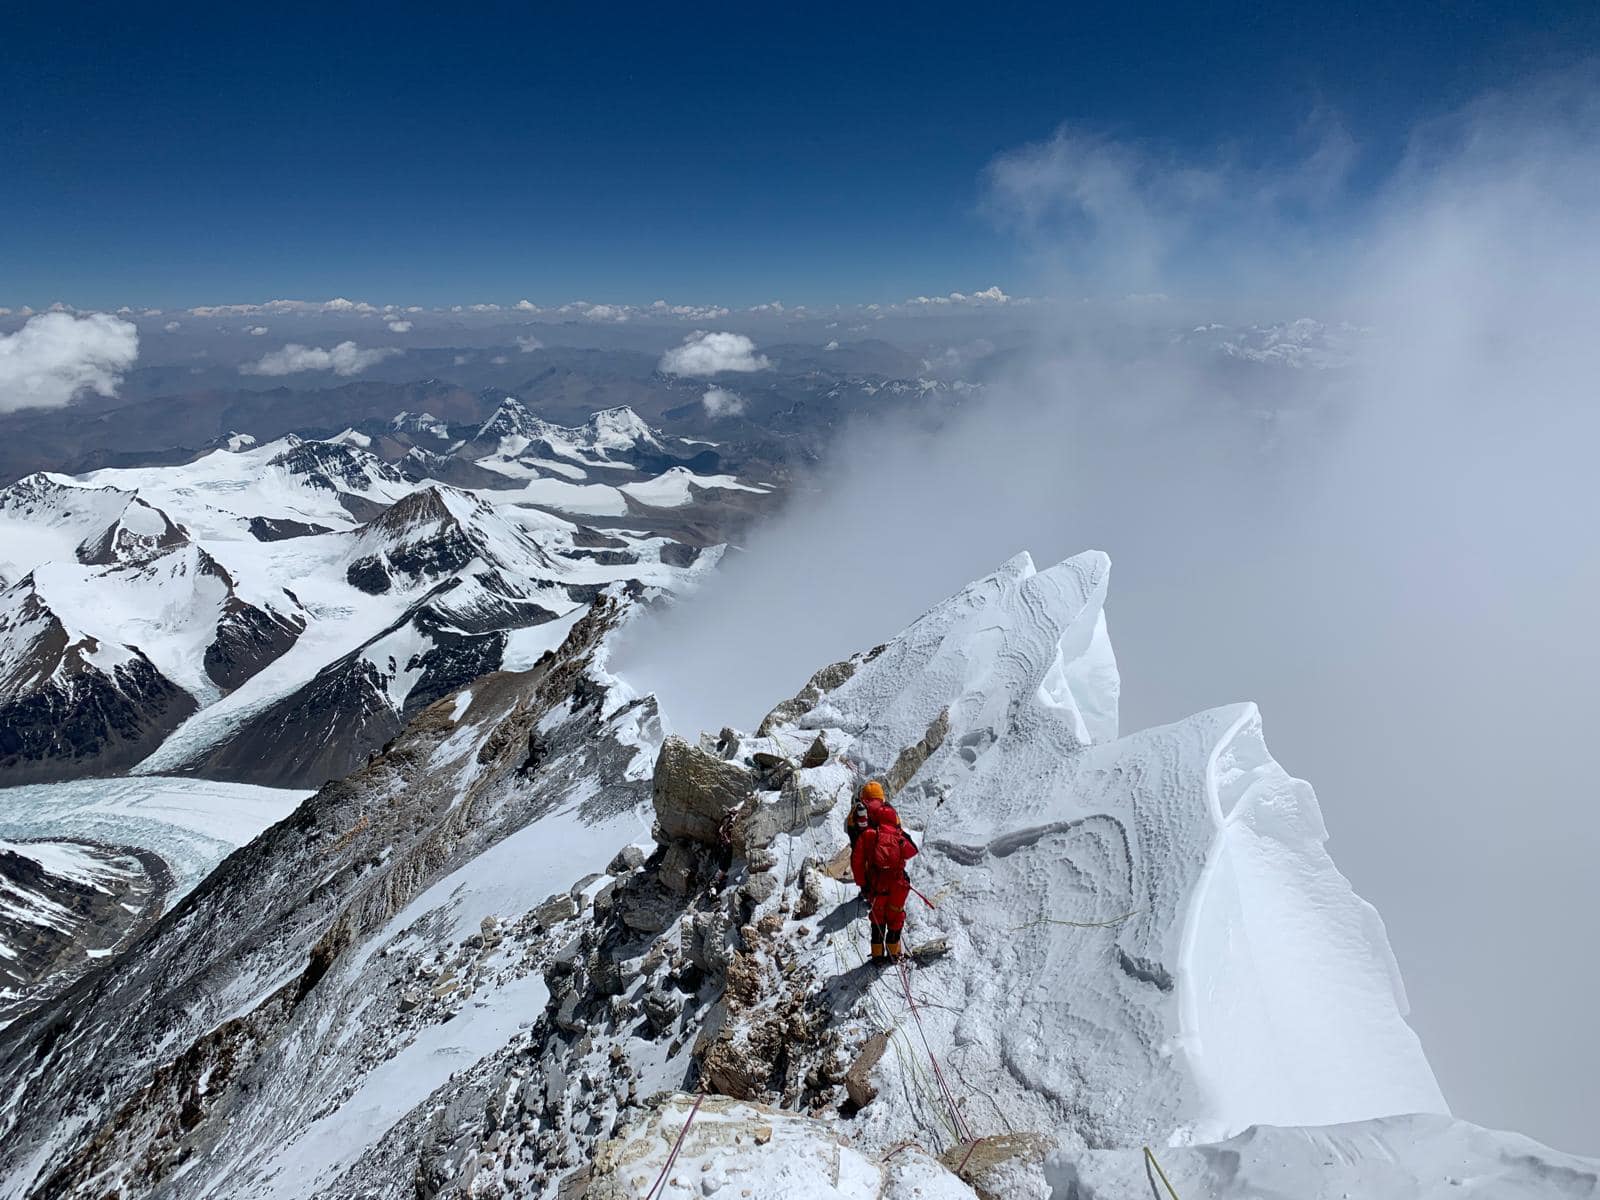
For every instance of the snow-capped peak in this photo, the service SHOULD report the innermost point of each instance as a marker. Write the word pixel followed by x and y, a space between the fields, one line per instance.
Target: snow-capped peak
pixel 619 429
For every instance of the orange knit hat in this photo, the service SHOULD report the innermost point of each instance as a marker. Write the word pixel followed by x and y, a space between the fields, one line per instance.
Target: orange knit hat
pixel 872 790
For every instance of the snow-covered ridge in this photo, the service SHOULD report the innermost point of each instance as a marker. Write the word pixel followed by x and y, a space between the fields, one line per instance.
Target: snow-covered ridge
pixel 1129 940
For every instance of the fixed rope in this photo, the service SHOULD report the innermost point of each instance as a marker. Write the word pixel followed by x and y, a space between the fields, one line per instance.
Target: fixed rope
pixel 959 1121
pixel 1076 924
pixel 912 1070
pixel 1150 1160
pixel 666 1167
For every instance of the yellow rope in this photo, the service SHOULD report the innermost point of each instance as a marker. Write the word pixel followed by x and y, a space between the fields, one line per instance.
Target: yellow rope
pixel 1150 1158
pixel 1076 924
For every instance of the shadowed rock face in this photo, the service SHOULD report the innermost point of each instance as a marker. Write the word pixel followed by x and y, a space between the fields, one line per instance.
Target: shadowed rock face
pixel 53 925
pixel 278 529
pixel 248 638
pixel 81 719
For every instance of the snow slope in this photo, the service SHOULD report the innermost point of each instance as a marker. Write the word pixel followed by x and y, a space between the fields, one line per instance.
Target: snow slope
pixel 1419 1157
pixel 671 489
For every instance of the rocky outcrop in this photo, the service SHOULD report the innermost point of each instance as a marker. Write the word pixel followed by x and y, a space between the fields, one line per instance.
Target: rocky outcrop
pixel 64 905
pixel 248 638
pixel 247 1014
pixel 833 676
pixel 694 791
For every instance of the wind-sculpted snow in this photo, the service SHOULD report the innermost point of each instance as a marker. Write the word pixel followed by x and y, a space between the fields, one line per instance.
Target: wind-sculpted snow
pixel 1155 915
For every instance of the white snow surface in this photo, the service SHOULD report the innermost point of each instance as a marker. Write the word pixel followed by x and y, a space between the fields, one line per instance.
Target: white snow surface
pixel 1417 1157
pixel 735 1150
pixel 192 824
pixel 670 489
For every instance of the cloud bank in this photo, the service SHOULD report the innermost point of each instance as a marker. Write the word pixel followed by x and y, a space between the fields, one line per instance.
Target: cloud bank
pixel 704 353
pixel 1393 550
pixel 344 359
pixel 57 356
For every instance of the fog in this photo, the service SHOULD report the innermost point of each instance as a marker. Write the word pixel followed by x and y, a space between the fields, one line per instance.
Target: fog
pixel 1396 558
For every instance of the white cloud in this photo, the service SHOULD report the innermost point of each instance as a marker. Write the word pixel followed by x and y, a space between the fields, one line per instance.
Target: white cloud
pixel 527 306
pixel 693 312
pixel 259 331
pixel 606 312
pixel 528 344
pixel 484 308
pixel 55 356
pixel 832 345
pixel 720 402
pixel 337 304
pixel 344 359
pixel 989 295
pixel 399 326
pixel 499 360
pixel 173 326
pixel 704 353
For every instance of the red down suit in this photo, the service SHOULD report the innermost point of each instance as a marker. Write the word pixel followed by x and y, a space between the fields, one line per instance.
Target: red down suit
pixel 879 866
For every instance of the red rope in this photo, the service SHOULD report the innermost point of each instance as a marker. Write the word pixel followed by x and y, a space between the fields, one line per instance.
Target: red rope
pixel 676 1146
pixel 967 1157
pixel 962 1131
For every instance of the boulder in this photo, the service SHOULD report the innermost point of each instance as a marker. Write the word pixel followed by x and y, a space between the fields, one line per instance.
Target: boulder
pixel 760 888
pixel 629 858
pixel 816 755
pixel 693 791
pixel 858 1079
pixel 677 869
pixel 558 908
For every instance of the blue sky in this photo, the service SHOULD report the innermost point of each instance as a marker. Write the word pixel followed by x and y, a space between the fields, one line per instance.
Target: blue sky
pixel 434 154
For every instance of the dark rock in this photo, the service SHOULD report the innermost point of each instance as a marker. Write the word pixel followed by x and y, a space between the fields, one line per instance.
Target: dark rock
pixel 858 1079
pixel 676 554
pixel 816 755
pixel 277 529
pixel 693 791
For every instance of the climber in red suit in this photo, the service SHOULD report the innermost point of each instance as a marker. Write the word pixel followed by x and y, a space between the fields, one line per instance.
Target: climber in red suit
pixel 879 865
